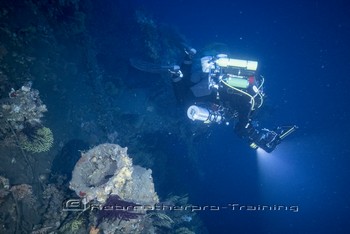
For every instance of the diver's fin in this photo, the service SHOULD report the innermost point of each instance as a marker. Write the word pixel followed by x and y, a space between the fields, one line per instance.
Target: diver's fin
pixel 148 67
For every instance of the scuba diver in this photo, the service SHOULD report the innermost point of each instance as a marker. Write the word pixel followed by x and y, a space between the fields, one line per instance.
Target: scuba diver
pixel 227 91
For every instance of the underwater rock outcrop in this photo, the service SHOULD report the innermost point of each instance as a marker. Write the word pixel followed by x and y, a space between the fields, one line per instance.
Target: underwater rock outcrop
pixel 107 169
pixel 14 200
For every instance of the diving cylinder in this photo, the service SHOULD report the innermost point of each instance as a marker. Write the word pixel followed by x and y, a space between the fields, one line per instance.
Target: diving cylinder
pixel 229 62
pixel 202 114
pixel 238 82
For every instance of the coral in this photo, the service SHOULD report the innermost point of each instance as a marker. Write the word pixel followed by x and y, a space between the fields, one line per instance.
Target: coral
pixel 182 222
pixel 24 193
pixel 106 174
pixel 21 191
pixel 4 183
pixel 40 141
pixel 4 188
pixel 23 105
pixel 76 225
pixel 51 208
pixel 3 195
pixel 161 220
pixel 22 109
pixel 107 169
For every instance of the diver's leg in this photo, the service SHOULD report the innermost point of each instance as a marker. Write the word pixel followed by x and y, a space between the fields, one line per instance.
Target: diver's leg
pixel 182 81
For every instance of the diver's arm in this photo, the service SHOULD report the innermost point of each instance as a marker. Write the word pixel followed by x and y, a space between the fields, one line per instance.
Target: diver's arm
pixel 258 138
pixel 264 138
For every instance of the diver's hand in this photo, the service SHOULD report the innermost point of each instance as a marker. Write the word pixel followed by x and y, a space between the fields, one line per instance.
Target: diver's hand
pixel 175 73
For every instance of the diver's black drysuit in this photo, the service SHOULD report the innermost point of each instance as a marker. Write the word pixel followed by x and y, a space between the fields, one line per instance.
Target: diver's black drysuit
pixel 232 101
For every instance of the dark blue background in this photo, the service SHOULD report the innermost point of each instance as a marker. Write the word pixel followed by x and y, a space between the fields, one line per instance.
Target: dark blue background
pixel 303 52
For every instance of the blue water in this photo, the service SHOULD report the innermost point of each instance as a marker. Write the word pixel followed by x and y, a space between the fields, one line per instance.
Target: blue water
pixel 303 52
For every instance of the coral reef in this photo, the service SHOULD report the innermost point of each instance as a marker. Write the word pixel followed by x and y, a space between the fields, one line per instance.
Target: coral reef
pixel 20 122
pixel 169 220
pixel 51 207
pixel 161 44
pixel 50 49
pixel 23 106
pixel 14 201
pixel 151 37
pixel 106 174
pixel 67 16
